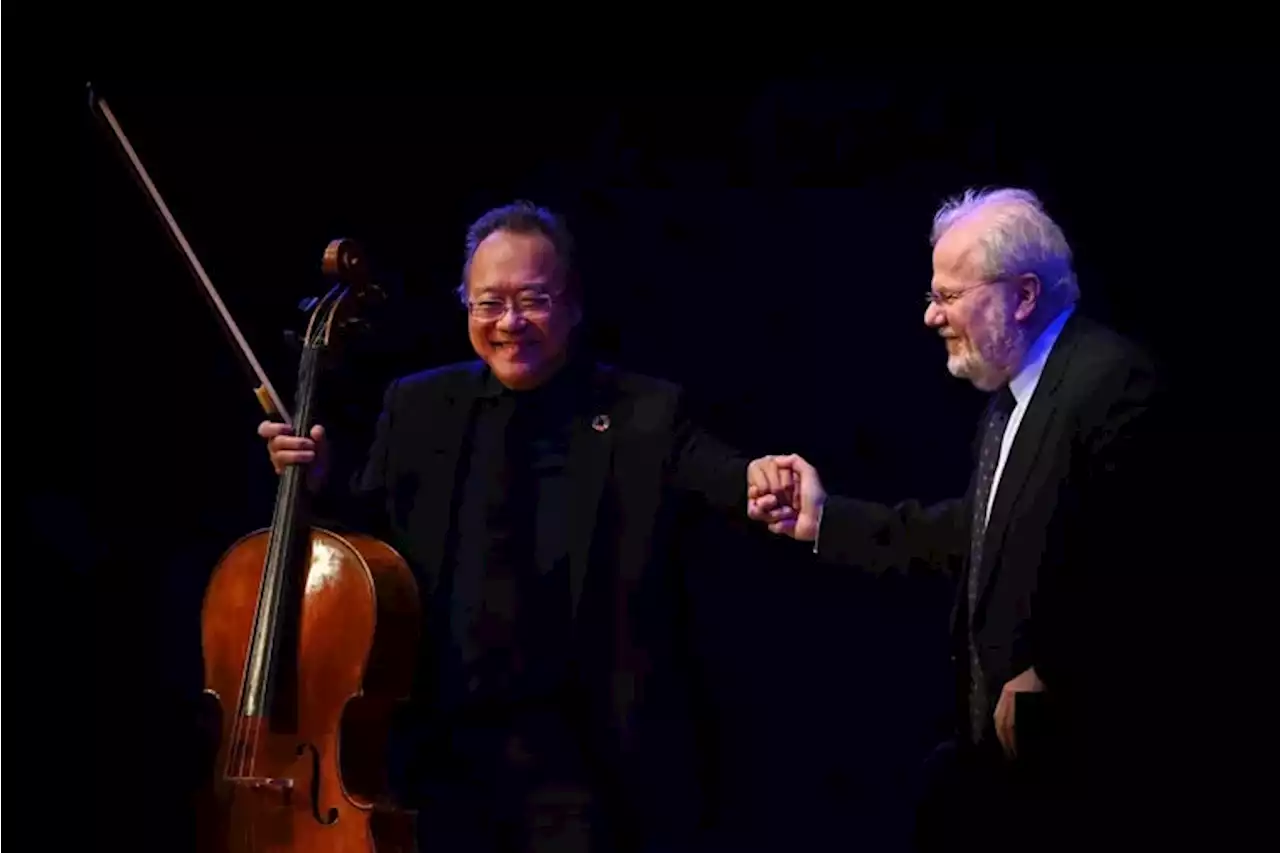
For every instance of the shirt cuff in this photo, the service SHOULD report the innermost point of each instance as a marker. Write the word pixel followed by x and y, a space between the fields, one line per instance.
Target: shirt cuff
pixel 817 535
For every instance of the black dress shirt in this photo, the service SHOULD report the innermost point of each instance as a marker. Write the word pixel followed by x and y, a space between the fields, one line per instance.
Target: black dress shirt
pixel 507 581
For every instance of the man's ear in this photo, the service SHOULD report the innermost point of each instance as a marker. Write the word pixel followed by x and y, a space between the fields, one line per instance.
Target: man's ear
pixel 1028 288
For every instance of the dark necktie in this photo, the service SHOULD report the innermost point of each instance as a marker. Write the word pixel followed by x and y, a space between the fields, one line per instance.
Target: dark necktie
pixel 988 459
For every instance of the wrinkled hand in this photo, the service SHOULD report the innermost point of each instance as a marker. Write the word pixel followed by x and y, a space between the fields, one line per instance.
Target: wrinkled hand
pixel 284 449
pixel 1026 682
pixel 794 511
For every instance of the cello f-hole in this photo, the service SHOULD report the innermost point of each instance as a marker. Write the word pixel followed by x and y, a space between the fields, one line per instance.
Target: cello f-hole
pixel 330 817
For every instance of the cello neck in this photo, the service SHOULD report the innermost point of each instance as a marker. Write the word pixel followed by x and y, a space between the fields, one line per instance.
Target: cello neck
pixel 270 688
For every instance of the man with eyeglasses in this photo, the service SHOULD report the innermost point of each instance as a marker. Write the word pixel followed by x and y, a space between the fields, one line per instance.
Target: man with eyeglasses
pixel 533 491
pixel 1045 544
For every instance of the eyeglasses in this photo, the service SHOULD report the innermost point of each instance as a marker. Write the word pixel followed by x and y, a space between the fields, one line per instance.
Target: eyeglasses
pixel 951 298
pixel 528 305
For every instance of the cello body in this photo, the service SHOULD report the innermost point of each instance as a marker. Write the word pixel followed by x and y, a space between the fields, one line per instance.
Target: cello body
pixel 310 776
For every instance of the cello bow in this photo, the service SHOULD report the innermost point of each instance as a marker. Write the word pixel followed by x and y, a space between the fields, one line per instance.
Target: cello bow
pixel 264 391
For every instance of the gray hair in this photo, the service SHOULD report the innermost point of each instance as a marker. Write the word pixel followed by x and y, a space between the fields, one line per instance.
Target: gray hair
pixel 1022 238
pixel 522 217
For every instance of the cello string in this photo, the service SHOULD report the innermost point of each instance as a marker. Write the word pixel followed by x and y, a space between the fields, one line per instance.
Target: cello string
pixel 263 638
pixel 242 750
pixel 269 597
pixel 272 588
pixel 248 730
pixel 245 733
pixel 230 768
pixel 265 641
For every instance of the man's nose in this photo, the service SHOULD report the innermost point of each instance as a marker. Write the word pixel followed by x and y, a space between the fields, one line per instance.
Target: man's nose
pixel 934 316
pixel 511 319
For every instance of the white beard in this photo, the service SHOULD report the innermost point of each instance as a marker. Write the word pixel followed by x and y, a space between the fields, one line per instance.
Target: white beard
pixel 988 359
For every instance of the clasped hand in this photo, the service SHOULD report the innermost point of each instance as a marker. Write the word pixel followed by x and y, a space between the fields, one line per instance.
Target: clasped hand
pixel 785 493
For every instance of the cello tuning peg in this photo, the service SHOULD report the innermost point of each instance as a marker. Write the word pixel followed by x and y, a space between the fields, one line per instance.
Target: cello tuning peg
pixel 371 293
pixel 292 340
pixel 307 304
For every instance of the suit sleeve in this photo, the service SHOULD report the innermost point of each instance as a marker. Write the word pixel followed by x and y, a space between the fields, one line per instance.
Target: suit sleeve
pixel 704 466
pixel 357 494
pixel 907 537
pixel 1099 583
pixel 370 480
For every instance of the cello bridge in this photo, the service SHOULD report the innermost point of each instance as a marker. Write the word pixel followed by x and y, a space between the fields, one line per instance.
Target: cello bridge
pixel 277 784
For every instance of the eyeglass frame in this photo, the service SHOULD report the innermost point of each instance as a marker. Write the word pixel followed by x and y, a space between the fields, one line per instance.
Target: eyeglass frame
pixel 548 301
pixel 944 300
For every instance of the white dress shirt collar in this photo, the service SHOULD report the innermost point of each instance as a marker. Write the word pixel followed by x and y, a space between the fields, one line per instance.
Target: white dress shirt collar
pixel 1024 382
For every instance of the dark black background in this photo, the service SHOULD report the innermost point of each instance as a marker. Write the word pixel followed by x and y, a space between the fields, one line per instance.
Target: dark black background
pixel 763 244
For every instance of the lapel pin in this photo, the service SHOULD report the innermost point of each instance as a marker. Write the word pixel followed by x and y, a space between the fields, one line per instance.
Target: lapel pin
pixel 600 423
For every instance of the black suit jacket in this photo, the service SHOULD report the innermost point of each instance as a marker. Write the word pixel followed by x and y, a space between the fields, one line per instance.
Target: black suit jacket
pixel 1065 540
pixel 637 466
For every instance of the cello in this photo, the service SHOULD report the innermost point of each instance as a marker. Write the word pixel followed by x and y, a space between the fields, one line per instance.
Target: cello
pixel 309 637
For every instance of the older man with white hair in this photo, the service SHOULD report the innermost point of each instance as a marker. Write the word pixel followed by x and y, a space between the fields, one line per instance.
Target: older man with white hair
pixel 1044 533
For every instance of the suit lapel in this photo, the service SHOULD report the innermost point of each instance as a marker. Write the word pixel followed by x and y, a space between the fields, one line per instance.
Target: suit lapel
pixel 1026 449
pixel 443 448
pixel 590 453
